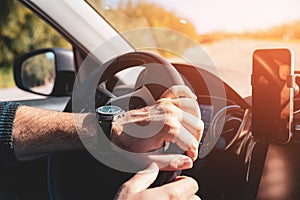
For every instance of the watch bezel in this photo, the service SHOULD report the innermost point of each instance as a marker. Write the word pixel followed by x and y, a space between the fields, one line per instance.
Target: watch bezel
pixel 108 116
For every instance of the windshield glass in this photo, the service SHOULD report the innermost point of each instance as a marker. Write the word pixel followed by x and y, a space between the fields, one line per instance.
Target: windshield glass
pixel 227 31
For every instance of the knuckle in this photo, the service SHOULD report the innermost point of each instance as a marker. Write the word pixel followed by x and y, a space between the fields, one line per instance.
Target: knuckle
pixel 197 108
pixel 173 126
pixel 193 102
pixel 126 188
pixel 173 195
pixel 173 123
pixel 169 109
pixel 162 100
pixel 200 126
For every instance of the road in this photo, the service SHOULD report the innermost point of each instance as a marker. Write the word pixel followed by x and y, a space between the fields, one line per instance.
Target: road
pixel 233 58
pixel 14 93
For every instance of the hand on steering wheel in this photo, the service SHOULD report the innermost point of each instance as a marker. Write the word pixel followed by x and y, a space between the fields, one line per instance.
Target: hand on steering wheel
pixel 173 119
pixel 172 114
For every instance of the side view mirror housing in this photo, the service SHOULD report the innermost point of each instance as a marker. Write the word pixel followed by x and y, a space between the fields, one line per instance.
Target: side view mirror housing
pixel 48 72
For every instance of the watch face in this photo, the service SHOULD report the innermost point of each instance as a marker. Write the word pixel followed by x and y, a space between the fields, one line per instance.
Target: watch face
pixel 109 110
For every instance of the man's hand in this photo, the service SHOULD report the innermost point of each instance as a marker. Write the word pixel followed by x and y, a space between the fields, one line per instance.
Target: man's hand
pixel 183 187
pixel 174 118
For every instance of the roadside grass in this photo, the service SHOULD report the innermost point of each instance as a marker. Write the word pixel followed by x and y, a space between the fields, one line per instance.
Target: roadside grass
pixel 6 78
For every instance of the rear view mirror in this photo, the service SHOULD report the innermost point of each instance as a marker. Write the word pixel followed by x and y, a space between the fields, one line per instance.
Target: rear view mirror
pixel 48 72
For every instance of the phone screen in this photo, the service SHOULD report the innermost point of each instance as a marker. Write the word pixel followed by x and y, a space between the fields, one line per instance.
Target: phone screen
pixel 272 98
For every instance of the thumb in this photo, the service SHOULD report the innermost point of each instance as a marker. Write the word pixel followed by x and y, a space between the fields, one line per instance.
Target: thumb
pixel 143 179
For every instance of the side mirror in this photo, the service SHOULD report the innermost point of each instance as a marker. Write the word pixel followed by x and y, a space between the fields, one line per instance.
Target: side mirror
pixel 48 72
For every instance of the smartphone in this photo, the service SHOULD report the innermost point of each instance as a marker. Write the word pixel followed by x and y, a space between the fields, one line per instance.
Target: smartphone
pixel 272 94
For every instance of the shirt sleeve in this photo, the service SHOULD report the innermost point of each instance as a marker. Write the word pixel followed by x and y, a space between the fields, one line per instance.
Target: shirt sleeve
pixel 7 116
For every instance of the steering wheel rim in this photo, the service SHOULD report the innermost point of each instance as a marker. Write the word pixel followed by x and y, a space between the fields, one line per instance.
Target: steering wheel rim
pixel 165 73
pixel 112 67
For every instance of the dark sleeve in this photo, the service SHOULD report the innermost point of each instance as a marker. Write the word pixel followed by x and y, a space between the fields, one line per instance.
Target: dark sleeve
pixel 7 116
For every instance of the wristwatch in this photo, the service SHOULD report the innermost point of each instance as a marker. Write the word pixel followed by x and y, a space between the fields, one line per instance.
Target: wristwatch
pixel 106 115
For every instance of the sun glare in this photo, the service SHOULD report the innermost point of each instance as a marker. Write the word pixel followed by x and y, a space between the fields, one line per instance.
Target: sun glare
pixel 234 15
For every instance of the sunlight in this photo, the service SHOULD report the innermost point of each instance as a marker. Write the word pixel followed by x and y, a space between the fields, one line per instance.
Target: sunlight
pixel 234 15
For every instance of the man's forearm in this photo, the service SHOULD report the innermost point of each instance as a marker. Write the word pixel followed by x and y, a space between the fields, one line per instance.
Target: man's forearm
pixel 37 132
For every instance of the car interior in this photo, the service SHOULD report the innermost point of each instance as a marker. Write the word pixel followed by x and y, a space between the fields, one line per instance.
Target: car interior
pixel 242 162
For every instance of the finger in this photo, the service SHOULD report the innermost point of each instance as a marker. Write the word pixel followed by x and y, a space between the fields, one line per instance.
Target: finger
pixel 171 162
pixel 193 124
pixel 143 179
pixel 187 143
pixel 188 113
pixel 183 138
pixel 183 188
pixel 178 91
pixel 186 104
pixel 189 120
pixel 183 128
pixel 190 106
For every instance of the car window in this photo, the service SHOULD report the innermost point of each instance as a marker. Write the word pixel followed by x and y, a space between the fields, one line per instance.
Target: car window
pixel 21 31
pixel 229 31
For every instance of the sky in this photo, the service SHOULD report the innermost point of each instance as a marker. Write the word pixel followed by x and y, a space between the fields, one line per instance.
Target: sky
pixel 234 15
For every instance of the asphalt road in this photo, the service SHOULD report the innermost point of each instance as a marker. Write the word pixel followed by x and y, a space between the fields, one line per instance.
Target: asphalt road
pixel 233 58
pixel 11 94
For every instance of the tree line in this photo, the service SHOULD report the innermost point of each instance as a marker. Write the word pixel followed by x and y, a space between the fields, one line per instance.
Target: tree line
pixel 22 31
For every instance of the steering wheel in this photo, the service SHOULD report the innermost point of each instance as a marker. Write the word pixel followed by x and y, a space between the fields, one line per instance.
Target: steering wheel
pixel 155 70
pixel 158 74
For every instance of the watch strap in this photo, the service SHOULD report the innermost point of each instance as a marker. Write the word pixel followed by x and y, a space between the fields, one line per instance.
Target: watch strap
pixel 106 127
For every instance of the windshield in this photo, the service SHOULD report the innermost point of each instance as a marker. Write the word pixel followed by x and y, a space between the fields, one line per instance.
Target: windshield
pixel 227 32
